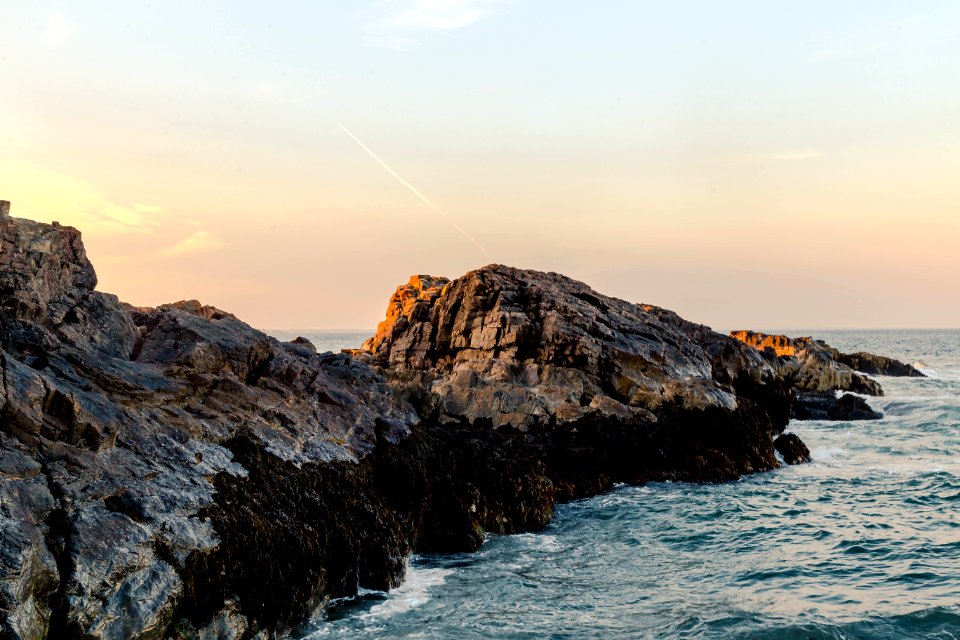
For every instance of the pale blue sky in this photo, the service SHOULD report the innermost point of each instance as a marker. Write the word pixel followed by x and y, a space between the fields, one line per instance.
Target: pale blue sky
pixel 746 163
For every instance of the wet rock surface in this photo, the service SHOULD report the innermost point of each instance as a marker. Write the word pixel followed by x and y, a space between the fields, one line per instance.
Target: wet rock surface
pixel 792 448
pixel 828 405
pixel 172 472
pixel 817 371
pixel 875 365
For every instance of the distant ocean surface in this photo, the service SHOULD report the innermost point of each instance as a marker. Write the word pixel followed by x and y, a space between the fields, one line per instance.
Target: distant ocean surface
pixel 864 542
pixel 326 340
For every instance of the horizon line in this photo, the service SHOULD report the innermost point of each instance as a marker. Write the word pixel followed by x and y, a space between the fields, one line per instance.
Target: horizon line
pixel 781 329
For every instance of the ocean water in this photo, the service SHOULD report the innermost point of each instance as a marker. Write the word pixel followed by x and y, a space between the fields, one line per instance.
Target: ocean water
pixel 333 341
pixel 864 542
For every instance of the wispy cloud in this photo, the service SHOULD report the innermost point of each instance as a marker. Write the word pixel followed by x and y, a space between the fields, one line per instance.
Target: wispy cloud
pixel 57 31
pixel 122 233
pixel 44 194
pixel 198 242
pixel 396 23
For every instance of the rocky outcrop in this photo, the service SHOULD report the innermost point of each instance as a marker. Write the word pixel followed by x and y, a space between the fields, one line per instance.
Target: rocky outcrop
pixel 174 472
pixel 829 405
pixel 635 389
pixel 875 365
pixel 410 304
pixel 817 371
pixel 171 472
pixel 809 364
pixel 792 449
pixel 122 433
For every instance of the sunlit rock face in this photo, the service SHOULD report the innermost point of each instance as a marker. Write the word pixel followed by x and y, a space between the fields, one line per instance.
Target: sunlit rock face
pixel 409 304
pixel 45 272
pixel 781 345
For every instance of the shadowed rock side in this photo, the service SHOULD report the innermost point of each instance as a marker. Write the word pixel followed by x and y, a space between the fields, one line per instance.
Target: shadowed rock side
pixel 818 373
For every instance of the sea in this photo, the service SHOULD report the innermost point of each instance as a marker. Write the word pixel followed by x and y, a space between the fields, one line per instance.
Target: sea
pixel 862 542
pixel 334 341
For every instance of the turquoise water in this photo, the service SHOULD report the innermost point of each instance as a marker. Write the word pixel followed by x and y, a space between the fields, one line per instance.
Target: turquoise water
pixel 864 542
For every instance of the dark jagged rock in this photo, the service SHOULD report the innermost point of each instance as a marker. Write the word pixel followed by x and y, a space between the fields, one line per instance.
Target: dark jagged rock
pixel 875 365
pixel 827 405
pixel 792 448
pixel 816 370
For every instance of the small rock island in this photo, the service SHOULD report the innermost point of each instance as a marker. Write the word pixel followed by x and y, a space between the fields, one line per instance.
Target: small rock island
pixel 172 472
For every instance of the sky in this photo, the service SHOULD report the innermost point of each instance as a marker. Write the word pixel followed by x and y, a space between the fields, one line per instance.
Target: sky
pixel 747 164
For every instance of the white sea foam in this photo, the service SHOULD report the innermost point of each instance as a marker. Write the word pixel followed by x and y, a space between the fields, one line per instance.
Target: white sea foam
pixel 828 453
pixel 906 469
pixel 414 592
pixel 542 541
pixel 925 369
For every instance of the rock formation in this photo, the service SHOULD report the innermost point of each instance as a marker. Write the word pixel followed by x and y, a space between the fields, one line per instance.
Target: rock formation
pixel 818 373
pixel 124 438
pixel 175 473
pixel 633 388
pixel 828 405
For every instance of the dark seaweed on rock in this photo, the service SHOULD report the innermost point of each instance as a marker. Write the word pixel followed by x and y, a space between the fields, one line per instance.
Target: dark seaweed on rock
pixel 172 472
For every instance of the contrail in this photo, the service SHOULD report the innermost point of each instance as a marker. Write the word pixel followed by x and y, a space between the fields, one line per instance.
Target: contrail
pixel 416 191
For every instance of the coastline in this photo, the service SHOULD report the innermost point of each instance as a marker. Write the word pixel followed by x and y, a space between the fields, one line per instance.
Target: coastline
pixel 247 481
